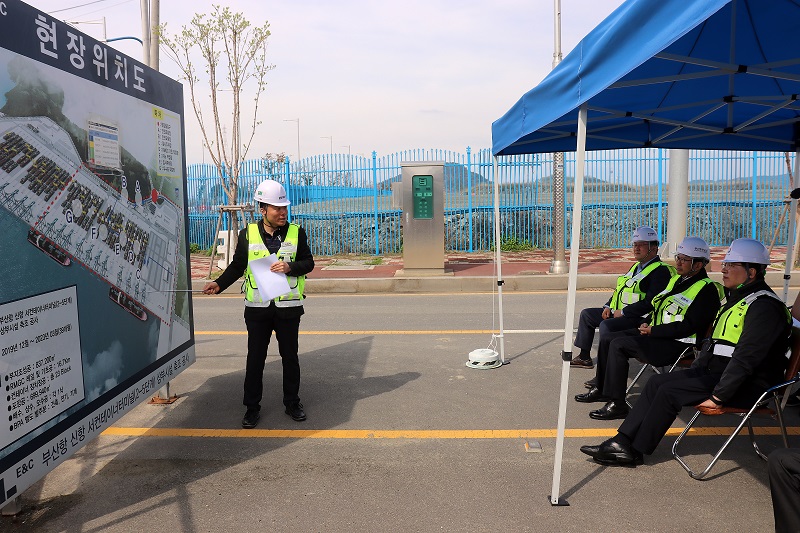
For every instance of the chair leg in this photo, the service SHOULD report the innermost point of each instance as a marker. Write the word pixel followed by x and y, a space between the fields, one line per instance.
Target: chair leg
pixel 633 382
pixel 678 360
pixel 704 473
pixel 779 417
pixel 678 440
pixel 753 439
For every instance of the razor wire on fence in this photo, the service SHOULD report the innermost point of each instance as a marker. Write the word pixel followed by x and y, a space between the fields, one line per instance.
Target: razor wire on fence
pixel 346 203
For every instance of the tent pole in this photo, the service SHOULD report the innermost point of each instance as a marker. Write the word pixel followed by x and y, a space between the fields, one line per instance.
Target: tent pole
pixel 569 321
pixel 498 262
pixel 790 238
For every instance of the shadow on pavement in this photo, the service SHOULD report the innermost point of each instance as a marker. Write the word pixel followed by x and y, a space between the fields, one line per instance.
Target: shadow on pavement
pixel 157 472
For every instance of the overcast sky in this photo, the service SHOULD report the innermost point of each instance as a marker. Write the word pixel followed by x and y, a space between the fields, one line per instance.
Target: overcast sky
pixel 381 75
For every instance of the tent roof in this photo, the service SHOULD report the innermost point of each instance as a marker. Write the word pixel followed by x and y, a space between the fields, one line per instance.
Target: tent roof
pixel 716 74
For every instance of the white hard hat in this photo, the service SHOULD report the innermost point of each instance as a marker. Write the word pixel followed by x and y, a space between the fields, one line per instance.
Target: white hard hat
pixel 747 251
pixel 644 234
pixel 694 247
pixel 271 192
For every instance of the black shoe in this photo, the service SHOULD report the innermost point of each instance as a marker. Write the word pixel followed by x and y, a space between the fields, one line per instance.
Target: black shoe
pixel 613 410
pixel 591 451
pixel 612 453
pixel 295 410
pixel 250 419
pixel 591 383
pixel 579 362
pixel 594 395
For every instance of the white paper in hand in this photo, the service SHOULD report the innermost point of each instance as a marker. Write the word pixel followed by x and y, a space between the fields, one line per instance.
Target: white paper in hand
pixel 270 284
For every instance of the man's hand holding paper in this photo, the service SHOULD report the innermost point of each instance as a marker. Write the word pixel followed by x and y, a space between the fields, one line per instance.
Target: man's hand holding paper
pixel 270 277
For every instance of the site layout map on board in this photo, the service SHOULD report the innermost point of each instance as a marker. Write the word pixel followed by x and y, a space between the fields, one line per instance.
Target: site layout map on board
pixel 93 319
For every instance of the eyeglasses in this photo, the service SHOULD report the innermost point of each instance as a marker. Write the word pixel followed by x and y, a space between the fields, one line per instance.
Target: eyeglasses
pixel 641 245
pixel 682 259
pixel 731 265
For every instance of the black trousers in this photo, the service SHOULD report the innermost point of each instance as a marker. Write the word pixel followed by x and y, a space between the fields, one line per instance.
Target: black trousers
pixel 613 366
pixel 784 484
pixel 592 318
pixel 663 398
pixel 261 322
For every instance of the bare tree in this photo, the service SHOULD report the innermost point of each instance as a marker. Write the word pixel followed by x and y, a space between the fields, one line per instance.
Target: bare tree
pixel 233 50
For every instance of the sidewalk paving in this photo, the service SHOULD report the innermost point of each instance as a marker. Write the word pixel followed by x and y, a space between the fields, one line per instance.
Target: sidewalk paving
pixel 521 270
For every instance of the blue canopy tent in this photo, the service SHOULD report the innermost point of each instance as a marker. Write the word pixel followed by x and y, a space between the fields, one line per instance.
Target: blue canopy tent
pixel 716 74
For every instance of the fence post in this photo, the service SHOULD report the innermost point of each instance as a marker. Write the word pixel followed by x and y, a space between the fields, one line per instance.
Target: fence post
pixel 375 200
pixel 753 230
pixel 660 192
pixel 286 176
pixel 469 196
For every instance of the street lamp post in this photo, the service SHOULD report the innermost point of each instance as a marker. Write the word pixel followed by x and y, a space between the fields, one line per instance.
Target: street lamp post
pixel 297 121
pixel 330 138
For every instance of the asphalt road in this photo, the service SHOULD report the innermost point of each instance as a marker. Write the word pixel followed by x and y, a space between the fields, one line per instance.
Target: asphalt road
pixel 400 436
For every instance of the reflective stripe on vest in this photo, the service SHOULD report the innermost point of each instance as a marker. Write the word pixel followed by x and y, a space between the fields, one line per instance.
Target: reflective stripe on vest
pixel 628 289
pixel 728 324
pixel 669 308
pixel 288 251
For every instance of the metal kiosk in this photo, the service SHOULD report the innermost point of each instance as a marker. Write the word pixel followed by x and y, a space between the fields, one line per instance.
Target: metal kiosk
pixel 423 219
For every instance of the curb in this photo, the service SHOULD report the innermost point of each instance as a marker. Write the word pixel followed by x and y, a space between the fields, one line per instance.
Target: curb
pixel 468 284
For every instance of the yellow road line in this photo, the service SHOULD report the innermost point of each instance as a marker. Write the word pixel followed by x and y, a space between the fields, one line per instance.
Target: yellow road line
pixel 406 434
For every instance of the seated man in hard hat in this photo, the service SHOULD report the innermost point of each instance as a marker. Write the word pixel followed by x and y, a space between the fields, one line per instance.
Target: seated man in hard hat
pixel 270 235
pixel 681 316
pixel 630 301
pixel 745 355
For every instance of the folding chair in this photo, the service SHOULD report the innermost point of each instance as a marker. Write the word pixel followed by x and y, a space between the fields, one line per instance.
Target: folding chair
pixel 775 394
pixel 684 360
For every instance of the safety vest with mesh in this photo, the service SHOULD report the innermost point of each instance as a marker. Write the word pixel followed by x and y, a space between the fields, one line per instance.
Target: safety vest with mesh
pixel 728 324
pixel 628 290
pixel 288 251
pixel 669 308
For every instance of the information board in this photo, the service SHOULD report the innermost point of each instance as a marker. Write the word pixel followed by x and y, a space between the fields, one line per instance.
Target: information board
pixel 94 312
pixel 103 144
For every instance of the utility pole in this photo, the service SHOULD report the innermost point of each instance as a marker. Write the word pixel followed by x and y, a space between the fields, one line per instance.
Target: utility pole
pixel 330 138
pixel 297 121
pixel 559 264
pixel 155 22
pixel 146 32
pixel 150 41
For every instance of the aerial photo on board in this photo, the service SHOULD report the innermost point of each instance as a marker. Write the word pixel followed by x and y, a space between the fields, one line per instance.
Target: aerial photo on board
pixel 91 206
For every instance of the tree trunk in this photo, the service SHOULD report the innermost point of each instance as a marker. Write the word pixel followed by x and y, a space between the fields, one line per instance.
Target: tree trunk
pixel 233 215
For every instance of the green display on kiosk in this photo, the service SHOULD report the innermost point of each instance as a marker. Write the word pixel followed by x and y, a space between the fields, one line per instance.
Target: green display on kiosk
pixel 422 192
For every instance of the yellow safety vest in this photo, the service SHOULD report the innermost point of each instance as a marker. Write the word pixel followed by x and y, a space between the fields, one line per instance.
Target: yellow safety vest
pixel 728 324
pixel 669 308
pixel 288 251
pixel 628 288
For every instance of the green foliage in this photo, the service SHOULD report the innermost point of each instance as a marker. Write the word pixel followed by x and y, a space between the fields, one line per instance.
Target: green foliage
pixel 512 244
pixel 378 260
pixel 194 248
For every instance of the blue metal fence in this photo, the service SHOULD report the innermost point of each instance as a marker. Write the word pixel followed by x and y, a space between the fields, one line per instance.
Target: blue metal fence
pixel 344 201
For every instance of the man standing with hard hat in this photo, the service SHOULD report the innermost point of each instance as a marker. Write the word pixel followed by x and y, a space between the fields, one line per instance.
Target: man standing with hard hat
pixel 630 301
pixel 744 356
pixel 270 235
pixel 681 315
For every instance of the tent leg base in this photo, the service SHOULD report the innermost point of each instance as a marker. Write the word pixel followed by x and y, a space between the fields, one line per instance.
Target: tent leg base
pixel 560 502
